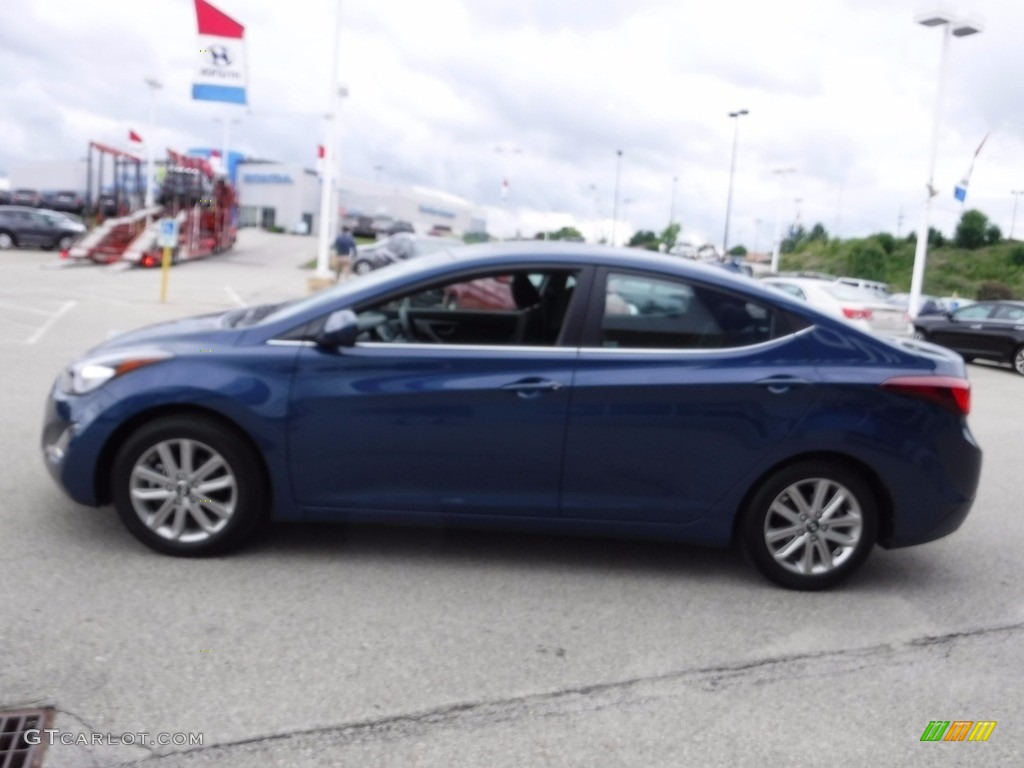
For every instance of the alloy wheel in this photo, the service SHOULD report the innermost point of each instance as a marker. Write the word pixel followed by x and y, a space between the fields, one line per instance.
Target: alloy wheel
pixel 813 526
pixel 183 490
pixel 1018 361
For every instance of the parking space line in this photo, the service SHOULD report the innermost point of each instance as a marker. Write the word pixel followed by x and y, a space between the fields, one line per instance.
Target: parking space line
pixel 68 306
pixel 234 296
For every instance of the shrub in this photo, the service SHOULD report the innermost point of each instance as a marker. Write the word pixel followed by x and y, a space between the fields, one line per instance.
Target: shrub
pixel 866 259
pixel 993 290
pixel 1016 256
pixel 972 231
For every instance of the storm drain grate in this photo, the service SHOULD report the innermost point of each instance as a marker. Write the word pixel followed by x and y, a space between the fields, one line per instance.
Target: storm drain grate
pixel 16 750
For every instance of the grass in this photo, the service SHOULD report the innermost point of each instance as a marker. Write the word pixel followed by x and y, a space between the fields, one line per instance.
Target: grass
pixel 949 270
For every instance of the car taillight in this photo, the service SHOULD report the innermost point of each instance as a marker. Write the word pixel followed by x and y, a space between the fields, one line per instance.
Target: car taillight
pixel 857 314
pixel 953 393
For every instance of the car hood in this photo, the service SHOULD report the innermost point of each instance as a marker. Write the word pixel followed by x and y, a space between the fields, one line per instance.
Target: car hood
pixel 209 329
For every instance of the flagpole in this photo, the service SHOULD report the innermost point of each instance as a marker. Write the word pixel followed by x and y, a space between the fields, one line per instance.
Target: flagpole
pixel 154 86
pixel 327 178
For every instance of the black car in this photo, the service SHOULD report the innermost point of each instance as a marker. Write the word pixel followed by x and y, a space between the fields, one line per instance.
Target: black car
pixel 28 197
pixel 990 330
pixel 363 226
pixel 68 202
pixel 21 226
pixel 5 197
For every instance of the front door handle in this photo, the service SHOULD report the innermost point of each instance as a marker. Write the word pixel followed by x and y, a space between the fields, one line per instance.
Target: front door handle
pixel 976 327
pixel 532 387
pixel 778 385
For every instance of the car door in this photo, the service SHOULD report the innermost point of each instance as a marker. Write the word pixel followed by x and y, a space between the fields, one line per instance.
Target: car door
pixel 680 389
pixel 436 410
pixel 965 330
pixel 1005 330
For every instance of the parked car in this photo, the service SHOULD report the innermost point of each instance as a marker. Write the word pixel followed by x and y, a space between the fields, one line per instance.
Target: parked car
pixel 863 308
pixel 739 415
pixel 21 226
pixel 68 202
pixel 5 197
pixel 989 330
pixel 381 225
pixel 394 249
pixel 441 230
pixel 399 226
pixel 930 305
pixel 27 197
pixel 363 227
pixel 868 285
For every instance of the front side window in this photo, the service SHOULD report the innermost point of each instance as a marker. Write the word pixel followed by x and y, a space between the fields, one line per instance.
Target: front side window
pixel 655 313
pixel 521 308
pixel 973 312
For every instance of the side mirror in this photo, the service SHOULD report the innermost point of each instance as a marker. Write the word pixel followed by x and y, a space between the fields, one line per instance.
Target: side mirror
pixel 949 315
pixel 340 329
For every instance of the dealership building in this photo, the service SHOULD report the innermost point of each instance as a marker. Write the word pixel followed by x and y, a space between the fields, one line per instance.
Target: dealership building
pixel 287 195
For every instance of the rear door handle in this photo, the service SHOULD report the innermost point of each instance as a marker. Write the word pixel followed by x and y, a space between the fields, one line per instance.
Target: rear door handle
pixel 778 385
pixel 532 387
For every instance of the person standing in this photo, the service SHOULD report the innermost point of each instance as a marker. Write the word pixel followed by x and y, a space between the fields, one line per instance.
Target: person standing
pixel 345 250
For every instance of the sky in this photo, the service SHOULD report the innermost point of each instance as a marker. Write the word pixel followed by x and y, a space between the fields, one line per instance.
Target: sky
pixel 458 95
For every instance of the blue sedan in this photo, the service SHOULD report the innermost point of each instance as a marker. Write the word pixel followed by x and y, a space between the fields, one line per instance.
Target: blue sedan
pixel 605 392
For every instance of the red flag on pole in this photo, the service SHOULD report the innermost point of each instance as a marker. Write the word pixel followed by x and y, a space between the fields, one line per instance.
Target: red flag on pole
pixel 320 152
pixel 133 136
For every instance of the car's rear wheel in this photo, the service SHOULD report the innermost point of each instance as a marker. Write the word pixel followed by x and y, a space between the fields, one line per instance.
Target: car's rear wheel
pixel 1018 360
pixel 362 267
pixel 810 525
pixel 185 485
pixel 6 241
pixel 920 335
pixel 64 243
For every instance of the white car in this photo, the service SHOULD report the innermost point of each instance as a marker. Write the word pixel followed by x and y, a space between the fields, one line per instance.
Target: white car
pixel 859 307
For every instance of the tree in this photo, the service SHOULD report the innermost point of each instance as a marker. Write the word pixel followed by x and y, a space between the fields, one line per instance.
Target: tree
pixel 818 233
pixel 738 250
pixel 644 238
pixel 565 233
pixel 670 235
pixel 971 231
pixel 887 241
pixel 866 259
pixel 794 239
pixel 993 234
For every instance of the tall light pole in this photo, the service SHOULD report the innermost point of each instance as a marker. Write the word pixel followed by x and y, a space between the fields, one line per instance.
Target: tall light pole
pixel 1013 222
pixel 672 209
pixel 593 209
pixel 950 28
pixel 376 172
pixel 154 86
pixel 615 204
pixel 757 234
pixel 732 172
pixel 777 241
pixel 327 185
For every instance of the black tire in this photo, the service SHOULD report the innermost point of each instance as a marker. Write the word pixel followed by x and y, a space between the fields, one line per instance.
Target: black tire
pixel 64 242
pixel 1018 360
pixel 362 267
pixel 920 334
pixel 7 240
pixel 249 499
pixel 860 505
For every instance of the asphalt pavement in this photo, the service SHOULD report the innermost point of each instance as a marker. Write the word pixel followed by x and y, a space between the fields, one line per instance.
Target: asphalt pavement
pixel 373 646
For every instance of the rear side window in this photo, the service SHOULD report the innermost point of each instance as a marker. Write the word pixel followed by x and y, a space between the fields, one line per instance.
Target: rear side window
pixel 655 313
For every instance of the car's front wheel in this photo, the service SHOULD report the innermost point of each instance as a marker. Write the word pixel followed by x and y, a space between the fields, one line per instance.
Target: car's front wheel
pixel 185 485
pixel 362 267
pixel 6 241
pixel 810 525
pixel 1018 360
pixel 920 335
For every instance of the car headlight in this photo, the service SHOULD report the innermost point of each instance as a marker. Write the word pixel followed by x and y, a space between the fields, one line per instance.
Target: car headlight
pixel 92 372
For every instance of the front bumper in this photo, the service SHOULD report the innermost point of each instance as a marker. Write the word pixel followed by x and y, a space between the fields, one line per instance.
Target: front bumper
pixel 72 439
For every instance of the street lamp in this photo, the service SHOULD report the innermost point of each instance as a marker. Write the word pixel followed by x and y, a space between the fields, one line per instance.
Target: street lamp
pixel 1013 222
pixel 615 204
pixel 672 209
pixel 732 171
pixel 777 242
pixel 950 28
pixel 154 86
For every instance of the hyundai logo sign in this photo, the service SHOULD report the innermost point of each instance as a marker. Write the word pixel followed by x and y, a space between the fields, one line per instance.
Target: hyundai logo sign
pixel 267 178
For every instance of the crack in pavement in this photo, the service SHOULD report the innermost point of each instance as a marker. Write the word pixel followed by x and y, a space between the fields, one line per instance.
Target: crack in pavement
pixel 600 695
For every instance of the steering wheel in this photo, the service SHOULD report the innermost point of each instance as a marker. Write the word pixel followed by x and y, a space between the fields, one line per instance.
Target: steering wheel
pixel 405 321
